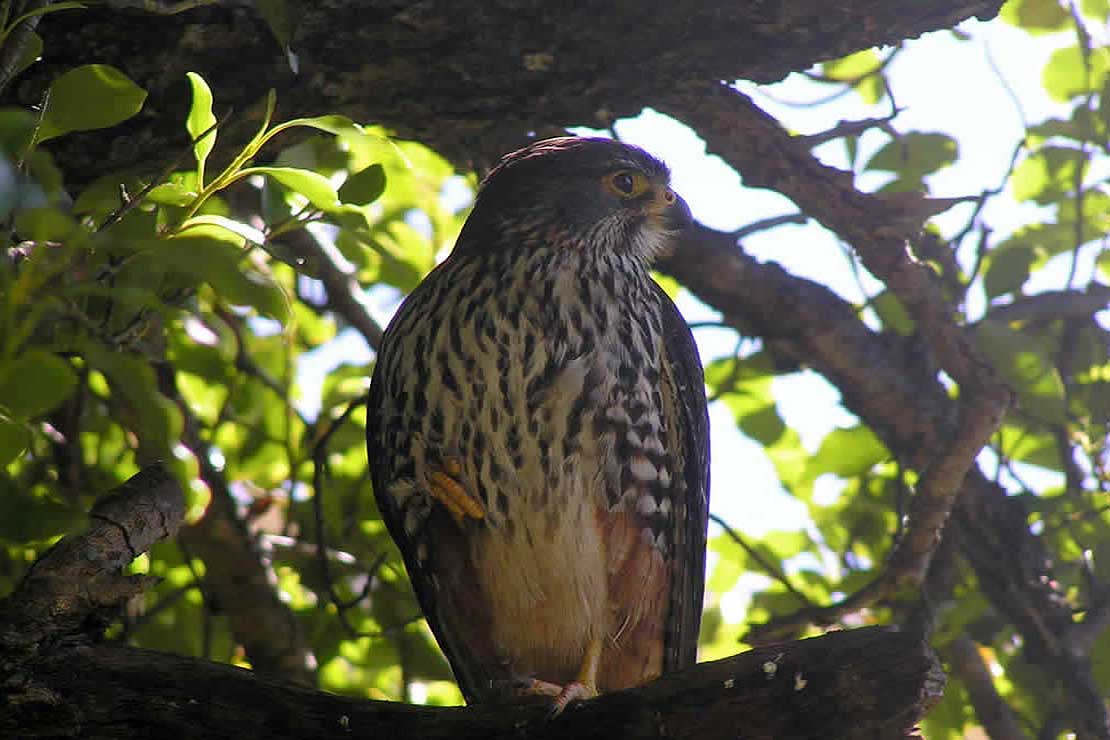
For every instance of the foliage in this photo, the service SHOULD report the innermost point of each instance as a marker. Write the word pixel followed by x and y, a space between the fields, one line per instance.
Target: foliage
pixel 177 317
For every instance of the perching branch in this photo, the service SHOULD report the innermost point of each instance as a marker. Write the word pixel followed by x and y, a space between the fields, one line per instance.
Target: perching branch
pixel 868 683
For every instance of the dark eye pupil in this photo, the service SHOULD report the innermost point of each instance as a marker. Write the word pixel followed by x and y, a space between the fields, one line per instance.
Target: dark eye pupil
pixel 623 182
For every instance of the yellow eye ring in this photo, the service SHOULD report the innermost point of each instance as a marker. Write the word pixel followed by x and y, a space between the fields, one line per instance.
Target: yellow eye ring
pixel 627 184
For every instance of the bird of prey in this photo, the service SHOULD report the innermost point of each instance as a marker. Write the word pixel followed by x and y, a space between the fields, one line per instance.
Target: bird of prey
pixel 538 437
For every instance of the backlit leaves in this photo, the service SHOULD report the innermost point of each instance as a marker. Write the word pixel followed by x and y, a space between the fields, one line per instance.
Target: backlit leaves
pixel 90 97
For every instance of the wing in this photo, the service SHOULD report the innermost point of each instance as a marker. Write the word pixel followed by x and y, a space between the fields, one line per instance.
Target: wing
pixel 689 419
pixel 429 541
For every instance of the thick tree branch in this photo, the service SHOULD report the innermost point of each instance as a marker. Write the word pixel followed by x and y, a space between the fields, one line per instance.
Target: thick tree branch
pixel 868 684
pixel 471 82
pixel 879 229
pixel 81 578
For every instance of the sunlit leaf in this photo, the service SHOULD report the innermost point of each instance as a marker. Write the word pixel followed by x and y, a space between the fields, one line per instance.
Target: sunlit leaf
pixel 90 97
pixel 212 253
pixel 848 452
pixel 1047 174
pixel 1027 367
pixel 1036 16
pixel 314 186
pixel 200 121
pixel 913 156
pixel 171 194
pixel 1103 262
pixel 1097 9
pixel 892 313
pixel 1071 72
pixel 861 69
pixel 131 378
pixel 1035 447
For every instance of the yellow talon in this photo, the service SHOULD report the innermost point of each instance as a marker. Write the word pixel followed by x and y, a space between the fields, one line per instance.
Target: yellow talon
pixel 585 685
pixel 449 492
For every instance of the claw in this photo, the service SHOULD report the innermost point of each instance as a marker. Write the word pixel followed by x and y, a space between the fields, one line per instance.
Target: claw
pixel 572 691
pixel 585 686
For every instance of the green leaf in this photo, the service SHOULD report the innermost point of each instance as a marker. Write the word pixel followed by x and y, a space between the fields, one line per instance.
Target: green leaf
pixel 862 71
pixel 211 253
pixel 1018 442
pixel 280 17
pixel 332 124
pixel 17 127
pixel 1046 175
pixel 892 313
pixel 1097 9
pixel 36 382
pixel 364 187
pixel 731 564
pixel 200 121
pixel 913 156
pixel 847 452
pixel 1066 75
pixel 15 437
pixel 34 515
pixel 1009 268
pixel 90 97
pixel 1103 263
pixel 1025 366
pixel 317 188
pixel 1036 16
pixel 44 224
pixel 131 379
pixel 171 194
pixel 29 54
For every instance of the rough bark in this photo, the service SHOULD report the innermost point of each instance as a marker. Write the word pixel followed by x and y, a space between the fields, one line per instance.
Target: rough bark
pixel 868 684
pixel 469 79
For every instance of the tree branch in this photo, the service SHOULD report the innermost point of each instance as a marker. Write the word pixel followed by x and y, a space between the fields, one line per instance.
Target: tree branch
pixel 994 714
pixel 879 229
pixel 868 683
pixel 863 684
pixel 472 85
pixel 81 577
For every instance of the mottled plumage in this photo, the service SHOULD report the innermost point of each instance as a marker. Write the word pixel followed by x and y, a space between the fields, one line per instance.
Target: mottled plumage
pixel 538 433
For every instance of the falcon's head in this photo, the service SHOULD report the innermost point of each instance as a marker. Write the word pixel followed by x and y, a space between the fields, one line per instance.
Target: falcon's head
pixel 576 193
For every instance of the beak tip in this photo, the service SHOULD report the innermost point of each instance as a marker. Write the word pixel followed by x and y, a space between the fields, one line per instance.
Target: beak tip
pixel 677 215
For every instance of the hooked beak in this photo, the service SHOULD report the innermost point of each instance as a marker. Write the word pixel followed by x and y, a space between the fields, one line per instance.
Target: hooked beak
pixel 674 213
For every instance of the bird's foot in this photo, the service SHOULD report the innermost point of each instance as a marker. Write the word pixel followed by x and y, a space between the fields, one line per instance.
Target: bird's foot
pixel 444 486
pixel 525 689
pixel 575 690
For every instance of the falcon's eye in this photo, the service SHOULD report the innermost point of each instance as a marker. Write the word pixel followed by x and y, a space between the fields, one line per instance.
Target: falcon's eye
pixel 627 184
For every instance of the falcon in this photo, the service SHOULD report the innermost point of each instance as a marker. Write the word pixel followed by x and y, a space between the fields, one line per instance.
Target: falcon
pixel 538 437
